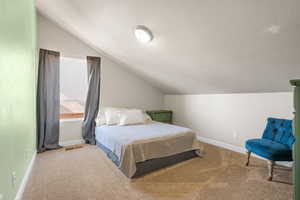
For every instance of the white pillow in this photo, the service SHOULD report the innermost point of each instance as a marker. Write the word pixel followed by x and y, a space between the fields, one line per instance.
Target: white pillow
pixel 100 120
pixel 147 117
pixel 112 117
pixel 129 117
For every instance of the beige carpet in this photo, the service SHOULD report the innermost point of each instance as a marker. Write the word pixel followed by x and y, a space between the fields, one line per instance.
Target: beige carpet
pixel 86 174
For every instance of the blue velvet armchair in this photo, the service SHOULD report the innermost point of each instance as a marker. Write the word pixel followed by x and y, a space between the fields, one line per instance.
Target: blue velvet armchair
pixel 275 144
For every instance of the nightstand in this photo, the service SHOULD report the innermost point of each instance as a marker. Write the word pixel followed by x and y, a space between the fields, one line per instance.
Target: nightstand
pixel 164 116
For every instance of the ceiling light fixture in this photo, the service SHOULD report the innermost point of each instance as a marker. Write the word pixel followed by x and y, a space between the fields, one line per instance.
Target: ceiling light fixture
pixel 273 29
pixel 143 34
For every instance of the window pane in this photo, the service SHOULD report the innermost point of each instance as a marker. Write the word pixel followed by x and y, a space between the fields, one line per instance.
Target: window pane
pixel 73 85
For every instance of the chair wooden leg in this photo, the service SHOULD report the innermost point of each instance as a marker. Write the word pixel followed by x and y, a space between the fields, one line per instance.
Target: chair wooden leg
pixel 248 158
pixel 271 169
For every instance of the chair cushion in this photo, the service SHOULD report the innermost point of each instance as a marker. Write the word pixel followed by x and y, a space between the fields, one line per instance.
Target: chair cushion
pixel 269 149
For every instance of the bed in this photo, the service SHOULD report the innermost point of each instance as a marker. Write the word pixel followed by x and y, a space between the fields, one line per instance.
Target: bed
pixel 139 149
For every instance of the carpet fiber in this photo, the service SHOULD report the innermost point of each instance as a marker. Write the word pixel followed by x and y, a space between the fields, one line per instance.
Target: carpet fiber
pixel 86 174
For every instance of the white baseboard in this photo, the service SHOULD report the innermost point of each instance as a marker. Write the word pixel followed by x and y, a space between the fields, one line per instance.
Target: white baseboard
pixel 25 178
pixel 238 149
pixel 222 144
pixel 71 142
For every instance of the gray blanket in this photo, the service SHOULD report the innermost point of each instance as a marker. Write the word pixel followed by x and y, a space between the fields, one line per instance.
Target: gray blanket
pixel 138 143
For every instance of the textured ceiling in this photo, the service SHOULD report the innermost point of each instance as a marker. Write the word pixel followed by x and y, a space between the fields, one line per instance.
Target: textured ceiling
pixel 199 46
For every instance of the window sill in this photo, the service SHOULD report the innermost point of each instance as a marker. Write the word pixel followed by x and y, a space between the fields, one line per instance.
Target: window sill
pixel 71 119
pixel 71 115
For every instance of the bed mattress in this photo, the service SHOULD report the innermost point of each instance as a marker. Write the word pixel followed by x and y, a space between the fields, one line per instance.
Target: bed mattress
pixel 138 143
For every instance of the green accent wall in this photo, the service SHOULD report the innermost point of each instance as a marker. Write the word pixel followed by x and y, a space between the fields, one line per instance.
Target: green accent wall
pixel 296 83
pixel 17 91
pixel 297 144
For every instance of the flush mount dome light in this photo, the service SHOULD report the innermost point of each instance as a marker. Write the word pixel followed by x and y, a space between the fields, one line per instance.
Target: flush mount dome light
pixel 143 34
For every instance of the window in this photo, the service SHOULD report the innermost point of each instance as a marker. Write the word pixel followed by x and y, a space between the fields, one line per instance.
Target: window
pixel 73 87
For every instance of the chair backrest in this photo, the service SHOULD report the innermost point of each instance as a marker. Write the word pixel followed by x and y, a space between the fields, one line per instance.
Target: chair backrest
pixel 280 130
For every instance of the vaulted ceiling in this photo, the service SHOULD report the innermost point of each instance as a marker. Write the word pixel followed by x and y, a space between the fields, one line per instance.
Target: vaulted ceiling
pixel 199 46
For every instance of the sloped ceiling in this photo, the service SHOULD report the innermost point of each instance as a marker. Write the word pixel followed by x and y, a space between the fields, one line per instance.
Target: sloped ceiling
pixel 199 46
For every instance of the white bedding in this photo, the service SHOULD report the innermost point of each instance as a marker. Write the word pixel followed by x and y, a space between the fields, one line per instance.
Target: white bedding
pixel 138 143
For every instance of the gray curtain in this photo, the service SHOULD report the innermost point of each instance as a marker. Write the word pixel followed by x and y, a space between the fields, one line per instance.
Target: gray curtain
pixel 48 101
pixel 92 100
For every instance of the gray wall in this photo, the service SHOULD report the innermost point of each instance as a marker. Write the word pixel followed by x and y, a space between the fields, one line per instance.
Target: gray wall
pixel 119 87
pixel 230 119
